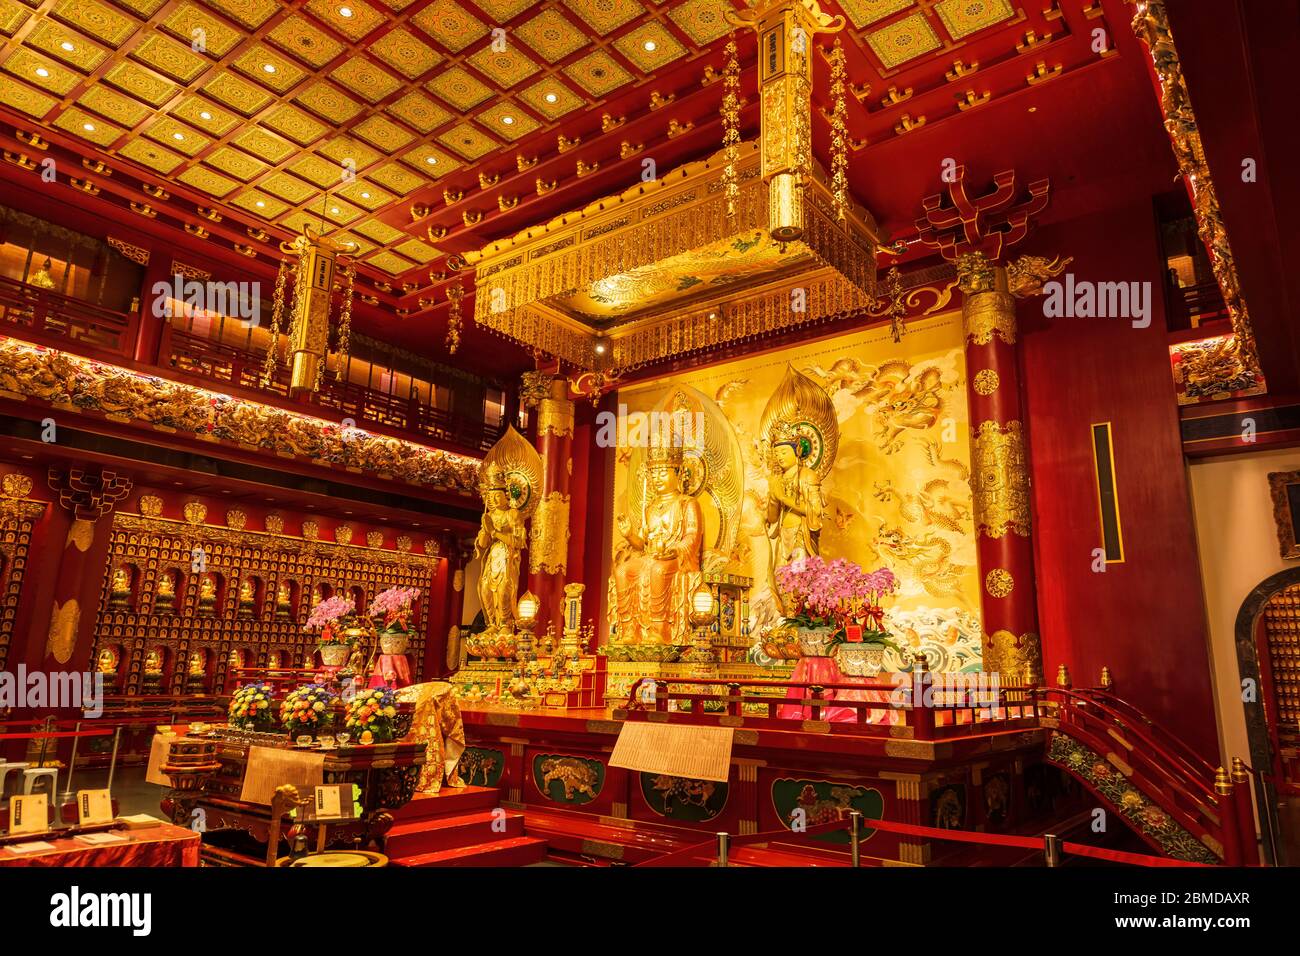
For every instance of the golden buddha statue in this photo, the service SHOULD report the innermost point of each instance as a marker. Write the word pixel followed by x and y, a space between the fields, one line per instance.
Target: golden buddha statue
pixel 119 593
pixel 283 601
pixel 153 672
pixel 107 663
pixel 802 436
pixel 207 594
pixel 659 567
pixel 511 486
pixel 165 599
pixel 247 599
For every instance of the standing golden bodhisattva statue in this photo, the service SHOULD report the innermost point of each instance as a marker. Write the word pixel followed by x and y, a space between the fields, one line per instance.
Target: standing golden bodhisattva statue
pixel 511 486
pixel 802 435
pixel 658 570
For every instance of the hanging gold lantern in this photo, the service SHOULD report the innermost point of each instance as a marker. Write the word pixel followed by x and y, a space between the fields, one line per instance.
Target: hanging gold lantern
pixel 785 30
pixel 309 328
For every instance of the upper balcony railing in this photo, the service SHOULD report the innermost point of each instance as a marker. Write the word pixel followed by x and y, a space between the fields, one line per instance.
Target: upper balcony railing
pixel 48 318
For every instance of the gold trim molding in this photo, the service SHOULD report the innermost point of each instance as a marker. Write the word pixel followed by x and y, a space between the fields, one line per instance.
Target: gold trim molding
pixel 548 546
pixel 1000 480
pixel 1151 25
pixel 27 372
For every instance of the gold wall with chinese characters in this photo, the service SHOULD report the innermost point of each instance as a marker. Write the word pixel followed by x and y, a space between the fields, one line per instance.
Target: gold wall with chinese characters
pixel 898 494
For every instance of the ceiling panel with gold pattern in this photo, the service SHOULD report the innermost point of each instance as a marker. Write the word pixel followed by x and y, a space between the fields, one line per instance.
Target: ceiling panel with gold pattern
pixel 422 129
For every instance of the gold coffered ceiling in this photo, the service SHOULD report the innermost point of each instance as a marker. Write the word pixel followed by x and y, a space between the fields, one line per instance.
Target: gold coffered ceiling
pixel 280 111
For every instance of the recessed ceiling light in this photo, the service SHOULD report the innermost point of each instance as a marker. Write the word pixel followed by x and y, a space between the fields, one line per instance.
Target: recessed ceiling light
pixel 41 71
pixel 259 204
pixel 178 135
pixel 269 67
pixel 67 46
pixel 650 46
pixel 365 195
pixel 345 12
pixel 205 115
pixel 88 127
pixel 334 210
pixel 432 160
pixel 507 120
pixel 551 97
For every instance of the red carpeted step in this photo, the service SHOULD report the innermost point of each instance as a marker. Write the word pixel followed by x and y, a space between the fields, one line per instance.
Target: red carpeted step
pixel 448 801
pixel 413 837
pixel 515 851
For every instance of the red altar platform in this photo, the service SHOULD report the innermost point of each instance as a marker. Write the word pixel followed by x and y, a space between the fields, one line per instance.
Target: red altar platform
pixel 808 752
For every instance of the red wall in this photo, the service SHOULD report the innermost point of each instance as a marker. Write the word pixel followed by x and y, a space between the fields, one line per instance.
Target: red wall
pixel 1144 618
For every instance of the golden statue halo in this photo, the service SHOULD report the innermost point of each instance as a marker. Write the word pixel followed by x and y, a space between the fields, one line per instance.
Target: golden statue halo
pixel 801 411
pixel 518 466
pixel 712 464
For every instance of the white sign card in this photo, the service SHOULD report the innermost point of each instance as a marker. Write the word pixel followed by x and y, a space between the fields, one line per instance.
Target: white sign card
pixel 94 806
pixel 29 814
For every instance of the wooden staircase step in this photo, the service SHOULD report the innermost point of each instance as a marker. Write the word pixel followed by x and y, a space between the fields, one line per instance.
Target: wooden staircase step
pixel 515 851
pixel 448 801
pixel 413 837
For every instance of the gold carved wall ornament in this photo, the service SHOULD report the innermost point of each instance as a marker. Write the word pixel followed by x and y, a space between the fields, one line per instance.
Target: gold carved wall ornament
pixel 1000 480
pixel 986 381
pixel 1151 25
pixel 548 543
pixel 53 376
pixel 136 254
pixel 999 583
pixel 62 639
pixel 151 505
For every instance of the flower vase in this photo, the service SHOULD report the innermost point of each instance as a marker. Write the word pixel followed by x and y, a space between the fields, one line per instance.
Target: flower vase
pixel 334 655
pixel 393 643
pixel 816 641
pixel 860 660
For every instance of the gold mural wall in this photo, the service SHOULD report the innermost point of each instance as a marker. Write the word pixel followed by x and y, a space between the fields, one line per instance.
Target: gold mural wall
pixel 898 494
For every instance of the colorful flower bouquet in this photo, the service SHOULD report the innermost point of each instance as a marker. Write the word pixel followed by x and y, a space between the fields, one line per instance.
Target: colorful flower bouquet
pixel 832 595
pixel 250 707
pixel 391 612
pixel 373 711
pixel 326 615
pixel 308 709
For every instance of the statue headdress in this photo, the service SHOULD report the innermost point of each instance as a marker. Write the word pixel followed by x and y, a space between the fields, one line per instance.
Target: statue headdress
pixel 802 415
pixel 513 465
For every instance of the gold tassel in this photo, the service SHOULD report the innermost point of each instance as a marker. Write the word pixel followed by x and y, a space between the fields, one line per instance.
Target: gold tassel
pixel 731 125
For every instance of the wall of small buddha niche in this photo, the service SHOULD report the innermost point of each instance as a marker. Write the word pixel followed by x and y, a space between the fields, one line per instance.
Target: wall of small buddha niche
pixel 194 586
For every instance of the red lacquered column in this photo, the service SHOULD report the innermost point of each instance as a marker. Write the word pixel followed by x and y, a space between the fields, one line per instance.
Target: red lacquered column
pixel 999 473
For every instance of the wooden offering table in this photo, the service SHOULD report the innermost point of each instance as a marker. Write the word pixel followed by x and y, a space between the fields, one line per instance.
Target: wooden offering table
pixel 232 804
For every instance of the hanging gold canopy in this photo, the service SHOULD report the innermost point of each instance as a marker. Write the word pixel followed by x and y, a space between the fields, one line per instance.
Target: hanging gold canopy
pixel 661 270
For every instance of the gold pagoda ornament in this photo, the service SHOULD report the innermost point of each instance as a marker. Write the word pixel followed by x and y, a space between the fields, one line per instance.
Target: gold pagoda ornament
pixel 785 30
pixel 309 327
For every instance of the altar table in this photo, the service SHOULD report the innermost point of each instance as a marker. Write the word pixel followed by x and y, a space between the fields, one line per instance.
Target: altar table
pixel 825 670
pixel 163 845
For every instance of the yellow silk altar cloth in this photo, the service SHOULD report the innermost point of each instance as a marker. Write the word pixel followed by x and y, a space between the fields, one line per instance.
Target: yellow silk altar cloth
pixel 437 722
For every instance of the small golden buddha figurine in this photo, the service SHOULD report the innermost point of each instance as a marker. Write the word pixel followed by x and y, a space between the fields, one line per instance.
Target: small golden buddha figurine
pixel 119 593
pixel 196 674
pixel 153 672
pixel 283 601
pixel 107 663
pixel 207 594
pixel 247 599
pixel 165 600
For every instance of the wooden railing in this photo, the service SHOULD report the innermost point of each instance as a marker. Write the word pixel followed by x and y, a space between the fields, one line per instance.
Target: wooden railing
pixel 367 407
pixel 28 311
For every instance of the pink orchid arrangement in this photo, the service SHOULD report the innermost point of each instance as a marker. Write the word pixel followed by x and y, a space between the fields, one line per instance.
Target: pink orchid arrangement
pixel 836 593
pixel 393 606
pixel 330 610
